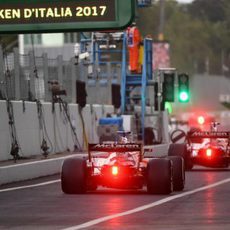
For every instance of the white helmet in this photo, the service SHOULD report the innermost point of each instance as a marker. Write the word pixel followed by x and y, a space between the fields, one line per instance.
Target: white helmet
pixel 124 140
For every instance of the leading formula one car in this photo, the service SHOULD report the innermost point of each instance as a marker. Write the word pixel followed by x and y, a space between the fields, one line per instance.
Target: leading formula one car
pixel 205 148
pixel 122 165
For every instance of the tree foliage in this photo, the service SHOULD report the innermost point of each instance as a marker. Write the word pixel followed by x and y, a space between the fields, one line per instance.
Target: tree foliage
pixel 198 33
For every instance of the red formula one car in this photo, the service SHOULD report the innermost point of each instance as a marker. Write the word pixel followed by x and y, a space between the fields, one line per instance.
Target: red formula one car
pixel 123 166
pixel 205 148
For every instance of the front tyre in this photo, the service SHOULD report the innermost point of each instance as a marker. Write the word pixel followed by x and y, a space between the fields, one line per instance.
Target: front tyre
pixel 181 151
pixel 178 173
pixel 74 176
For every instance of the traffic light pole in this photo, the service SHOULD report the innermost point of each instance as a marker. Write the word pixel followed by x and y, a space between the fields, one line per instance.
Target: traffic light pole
pixel 162 116
pixel 159 90
pixel 159 104
pixel 160 80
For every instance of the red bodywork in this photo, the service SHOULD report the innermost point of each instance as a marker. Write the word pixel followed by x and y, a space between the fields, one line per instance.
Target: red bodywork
pixel 116 165
pixel 211 148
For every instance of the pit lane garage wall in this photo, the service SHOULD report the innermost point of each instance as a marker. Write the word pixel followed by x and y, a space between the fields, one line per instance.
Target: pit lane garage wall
pixel 56 131
pixel 29 137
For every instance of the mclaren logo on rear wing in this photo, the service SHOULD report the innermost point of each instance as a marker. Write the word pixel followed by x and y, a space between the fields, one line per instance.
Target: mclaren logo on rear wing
pixel 208 134
pixel 113 147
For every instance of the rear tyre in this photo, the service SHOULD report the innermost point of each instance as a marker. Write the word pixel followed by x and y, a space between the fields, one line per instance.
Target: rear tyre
pixel 74 176
pixel 178 173
pixel 181 151
pixel 159 176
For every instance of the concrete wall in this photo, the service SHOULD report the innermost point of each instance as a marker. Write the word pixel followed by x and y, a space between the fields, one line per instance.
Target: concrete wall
pixel 57 130
pixel 25 171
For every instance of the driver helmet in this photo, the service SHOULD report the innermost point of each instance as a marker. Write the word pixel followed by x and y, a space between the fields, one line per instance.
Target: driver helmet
pixel 214 126
pixel 124 140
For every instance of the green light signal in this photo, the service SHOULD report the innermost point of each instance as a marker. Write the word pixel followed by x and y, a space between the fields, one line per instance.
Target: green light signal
pixel 183 96
pixel 183 88
pixel 168 106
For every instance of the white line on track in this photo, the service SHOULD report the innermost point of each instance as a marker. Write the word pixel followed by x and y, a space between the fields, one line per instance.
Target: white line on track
pixel 144 207
pixel 129 212
pixel 29 186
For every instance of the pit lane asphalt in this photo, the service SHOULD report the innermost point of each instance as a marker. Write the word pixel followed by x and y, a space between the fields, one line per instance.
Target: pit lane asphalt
pixel 46 207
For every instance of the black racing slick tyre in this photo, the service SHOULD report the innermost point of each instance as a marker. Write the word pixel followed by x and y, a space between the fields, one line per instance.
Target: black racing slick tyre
pixel 74 176
pixel 178 173
pixel 181 151
pixel 159 176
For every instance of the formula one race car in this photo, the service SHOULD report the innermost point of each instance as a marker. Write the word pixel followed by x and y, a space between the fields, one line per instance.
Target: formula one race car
pixel 122 165
pixel 205 148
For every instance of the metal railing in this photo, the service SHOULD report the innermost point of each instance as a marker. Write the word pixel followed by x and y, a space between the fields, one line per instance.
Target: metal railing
pixel 26 77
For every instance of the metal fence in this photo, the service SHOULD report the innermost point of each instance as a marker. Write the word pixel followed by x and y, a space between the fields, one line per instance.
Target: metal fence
pixel 27 77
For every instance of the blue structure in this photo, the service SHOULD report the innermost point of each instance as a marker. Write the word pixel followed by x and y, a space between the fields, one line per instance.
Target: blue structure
pixel 105 54
pixel 131 81
pixel 144 3
pixel 118 121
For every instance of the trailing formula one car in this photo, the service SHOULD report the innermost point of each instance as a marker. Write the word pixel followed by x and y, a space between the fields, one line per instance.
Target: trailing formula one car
pixel 123 166
pixel 205 148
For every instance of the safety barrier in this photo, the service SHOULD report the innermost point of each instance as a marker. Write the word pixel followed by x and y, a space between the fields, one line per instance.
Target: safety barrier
pixel 55 128
pixel 45 167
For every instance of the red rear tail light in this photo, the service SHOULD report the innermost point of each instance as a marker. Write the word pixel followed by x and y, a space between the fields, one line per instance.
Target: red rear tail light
pixel 200 120
pixel 114 170
pixel 208 152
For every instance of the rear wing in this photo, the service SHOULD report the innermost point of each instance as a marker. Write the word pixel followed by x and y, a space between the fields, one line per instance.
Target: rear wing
pixel 208 134
pixel 114 147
